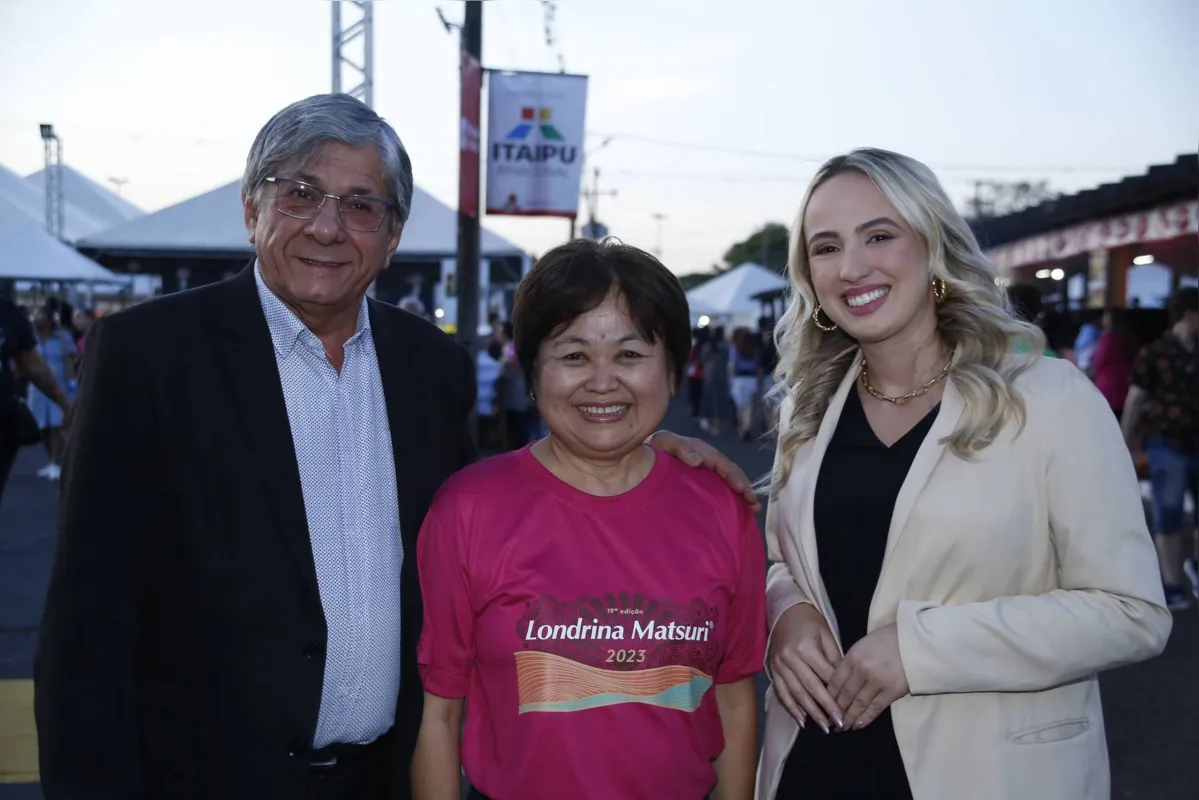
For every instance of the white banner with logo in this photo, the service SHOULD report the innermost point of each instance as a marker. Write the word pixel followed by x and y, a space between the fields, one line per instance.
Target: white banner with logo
pixel 535 129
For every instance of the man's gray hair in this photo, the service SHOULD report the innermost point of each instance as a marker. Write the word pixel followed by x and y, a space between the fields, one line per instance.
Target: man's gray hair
pixel 296 135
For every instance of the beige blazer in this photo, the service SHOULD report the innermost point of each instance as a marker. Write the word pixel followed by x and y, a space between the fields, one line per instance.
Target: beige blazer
pixel 1013 580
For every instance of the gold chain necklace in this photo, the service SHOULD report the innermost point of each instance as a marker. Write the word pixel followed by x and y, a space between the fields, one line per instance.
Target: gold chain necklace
pixel 910 395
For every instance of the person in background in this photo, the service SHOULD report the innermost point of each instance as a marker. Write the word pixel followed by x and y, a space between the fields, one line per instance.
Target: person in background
pixel 717 402
pixel 57 349
pixel 1161 418
pixel 1112 359
pixel 695 372
pixel 415 307
pixel 19 347
pixel 769 362
pixel 1086 342
pixel 1060 334
pixel 595 609
pixel 956 531
pixel 64 313
pixel 518 418
pixel 1026 304
pixel 488 370
pixel 83 318
pixel 745 366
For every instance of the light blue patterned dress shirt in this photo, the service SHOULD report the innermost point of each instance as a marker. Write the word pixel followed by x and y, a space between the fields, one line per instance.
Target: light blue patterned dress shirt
pixel 347 472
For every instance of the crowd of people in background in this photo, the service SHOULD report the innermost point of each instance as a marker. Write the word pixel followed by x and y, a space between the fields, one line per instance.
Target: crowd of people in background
pixel 508 418
pixel 56 333
pixel 729 380
pixel 1143 362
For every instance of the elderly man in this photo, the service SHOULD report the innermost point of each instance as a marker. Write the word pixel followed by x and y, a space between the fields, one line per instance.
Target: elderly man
pixel 234 607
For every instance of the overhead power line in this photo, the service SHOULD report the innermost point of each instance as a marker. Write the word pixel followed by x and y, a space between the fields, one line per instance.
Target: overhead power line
pixel 819 159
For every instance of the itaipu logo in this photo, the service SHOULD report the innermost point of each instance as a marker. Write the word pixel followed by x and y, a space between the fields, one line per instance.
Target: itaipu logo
pixel 519 144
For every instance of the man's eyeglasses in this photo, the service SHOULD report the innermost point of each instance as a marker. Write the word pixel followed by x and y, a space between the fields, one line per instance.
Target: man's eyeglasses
pixel 304 201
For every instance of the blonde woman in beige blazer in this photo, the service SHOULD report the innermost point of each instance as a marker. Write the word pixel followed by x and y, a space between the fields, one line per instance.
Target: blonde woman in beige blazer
pixel 956 531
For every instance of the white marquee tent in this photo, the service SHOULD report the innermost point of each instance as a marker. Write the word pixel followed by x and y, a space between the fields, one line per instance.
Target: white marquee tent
pixel 213 223
pixel 728 299
pixel 97 201
pixel 28 253
pixel 20 202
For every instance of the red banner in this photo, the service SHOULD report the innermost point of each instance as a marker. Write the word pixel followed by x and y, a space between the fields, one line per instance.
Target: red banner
pixel 468 147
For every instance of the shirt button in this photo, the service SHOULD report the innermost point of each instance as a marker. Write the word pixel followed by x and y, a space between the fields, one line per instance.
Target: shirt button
pixel 297 749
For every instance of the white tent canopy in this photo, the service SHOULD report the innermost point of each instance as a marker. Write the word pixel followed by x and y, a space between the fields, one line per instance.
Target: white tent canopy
pixel 29 253
pixel 99 202
pixel 731 294
pixel 22 203
pixel 214 222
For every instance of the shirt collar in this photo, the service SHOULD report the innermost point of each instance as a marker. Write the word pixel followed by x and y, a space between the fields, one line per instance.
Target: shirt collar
pixel 287 329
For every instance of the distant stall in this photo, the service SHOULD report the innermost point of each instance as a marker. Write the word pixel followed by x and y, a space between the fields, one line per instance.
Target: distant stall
pixel 729 298
pixel 1129 243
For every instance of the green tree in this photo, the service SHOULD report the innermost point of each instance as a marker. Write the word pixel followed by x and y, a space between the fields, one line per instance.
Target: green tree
pixel 766 246
pixel 1000 198
pixel 693 279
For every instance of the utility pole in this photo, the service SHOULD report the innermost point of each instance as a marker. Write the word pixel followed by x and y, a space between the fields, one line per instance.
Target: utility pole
pixel 342 37
pixel 119 183
pixel 658 243
pixel 592 196
pixel 468 186
pixel 587 157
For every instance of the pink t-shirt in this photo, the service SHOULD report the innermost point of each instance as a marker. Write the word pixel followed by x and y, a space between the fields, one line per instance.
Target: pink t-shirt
pixel 586 632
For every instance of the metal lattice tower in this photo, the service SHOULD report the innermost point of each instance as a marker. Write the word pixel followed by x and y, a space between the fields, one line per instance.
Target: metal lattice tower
pixel 53 182
pixel 364 69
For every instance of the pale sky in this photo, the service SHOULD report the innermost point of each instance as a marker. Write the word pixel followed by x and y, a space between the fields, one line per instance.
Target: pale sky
pixel 169 95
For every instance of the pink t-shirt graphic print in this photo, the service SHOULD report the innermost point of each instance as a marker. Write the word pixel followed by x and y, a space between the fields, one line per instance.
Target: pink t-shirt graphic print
pixel 619 648
pixel 587 632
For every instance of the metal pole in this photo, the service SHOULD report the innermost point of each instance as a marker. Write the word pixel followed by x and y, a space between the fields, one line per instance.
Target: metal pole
pixel 336 6
pixel 51 217
pixel 368 54
pixel 468 226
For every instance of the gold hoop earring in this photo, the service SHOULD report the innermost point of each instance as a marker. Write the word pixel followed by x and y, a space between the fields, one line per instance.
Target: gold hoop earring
pixel 832 326
pixel 940 289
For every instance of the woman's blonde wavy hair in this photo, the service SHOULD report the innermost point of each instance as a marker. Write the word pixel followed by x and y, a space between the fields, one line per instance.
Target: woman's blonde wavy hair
pixel 974 318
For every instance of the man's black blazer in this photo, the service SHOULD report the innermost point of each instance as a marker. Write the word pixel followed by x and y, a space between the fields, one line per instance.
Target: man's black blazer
pixel 181 653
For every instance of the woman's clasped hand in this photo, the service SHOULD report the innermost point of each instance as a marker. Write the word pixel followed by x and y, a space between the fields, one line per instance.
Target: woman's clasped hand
pixel 814 681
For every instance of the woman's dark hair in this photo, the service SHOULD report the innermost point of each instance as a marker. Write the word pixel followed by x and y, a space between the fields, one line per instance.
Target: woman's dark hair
pixel 573 278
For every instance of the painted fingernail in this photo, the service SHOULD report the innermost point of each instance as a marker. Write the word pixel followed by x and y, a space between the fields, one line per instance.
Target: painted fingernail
pixel 822 725
pixel 840 724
